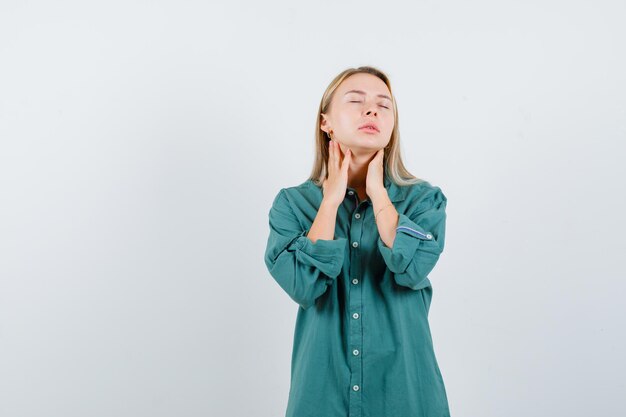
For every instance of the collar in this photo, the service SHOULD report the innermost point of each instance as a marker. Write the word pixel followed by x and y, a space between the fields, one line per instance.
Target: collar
pixel 395 192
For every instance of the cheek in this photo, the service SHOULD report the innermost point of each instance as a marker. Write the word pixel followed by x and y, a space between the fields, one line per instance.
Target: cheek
pixel 347 120
pixel 389 122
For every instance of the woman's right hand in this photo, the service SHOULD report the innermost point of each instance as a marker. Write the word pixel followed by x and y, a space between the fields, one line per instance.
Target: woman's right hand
pixel 335 185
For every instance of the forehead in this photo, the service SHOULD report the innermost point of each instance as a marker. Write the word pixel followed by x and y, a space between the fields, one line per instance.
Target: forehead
pixel 368 83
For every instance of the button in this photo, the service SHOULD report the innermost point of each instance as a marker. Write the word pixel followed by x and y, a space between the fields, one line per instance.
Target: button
pixel 355 315
pixel 429 236
pixel 355 244
pixel 351 192
pixel 355 352
pixel 355 387
pixel 355 281
pixel 358 215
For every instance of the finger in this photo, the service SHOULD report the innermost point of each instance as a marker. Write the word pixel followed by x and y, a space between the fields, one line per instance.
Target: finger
pixel 337 160
pixel 346 161
pixel 331 157
pixel 334 154
pixel 340 152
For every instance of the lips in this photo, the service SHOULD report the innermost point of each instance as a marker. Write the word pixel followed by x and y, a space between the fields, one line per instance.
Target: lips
pixel 369 126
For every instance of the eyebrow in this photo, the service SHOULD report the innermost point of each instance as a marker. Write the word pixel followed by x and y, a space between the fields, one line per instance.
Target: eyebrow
pixel 363 92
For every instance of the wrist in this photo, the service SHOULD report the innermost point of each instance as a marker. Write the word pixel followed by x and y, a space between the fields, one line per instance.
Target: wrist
pixel 380 197
pixel 327 204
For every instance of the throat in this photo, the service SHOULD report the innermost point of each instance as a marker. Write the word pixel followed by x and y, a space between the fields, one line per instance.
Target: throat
pixel 361 193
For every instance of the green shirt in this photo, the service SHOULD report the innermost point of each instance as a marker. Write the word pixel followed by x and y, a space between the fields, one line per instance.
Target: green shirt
pixel 362 342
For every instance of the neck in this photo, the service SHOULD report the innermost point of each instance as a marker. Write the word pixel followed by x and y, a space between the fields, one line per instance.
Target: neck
pixel 357 171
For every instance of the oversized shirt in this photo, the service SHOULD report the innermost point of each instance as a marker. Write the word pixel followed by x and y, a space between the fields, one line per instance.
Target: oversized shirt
pixel 362 344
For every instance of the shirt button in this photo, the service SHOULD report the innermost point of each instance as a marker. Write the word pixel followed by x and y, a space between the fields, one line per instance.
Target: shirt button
pixel 355 244
pixel 355 315
pixel 355 281
pixel 355 387
pixel 429 236
pixel 351 192
pixel 358 215
pixel 355 352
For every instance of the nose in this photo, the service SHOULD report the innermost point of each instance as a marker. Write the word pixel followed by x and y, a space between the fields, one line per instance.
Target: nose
pixel 370 104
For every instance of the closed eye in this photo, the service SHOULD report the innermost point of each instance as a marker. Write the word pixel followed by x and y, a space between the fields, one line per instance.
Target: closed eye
pixel 353 101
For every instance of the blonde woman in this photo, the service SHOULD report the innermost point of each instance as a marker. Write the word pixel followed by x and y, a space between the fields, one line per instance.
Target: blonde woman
pixel 353 245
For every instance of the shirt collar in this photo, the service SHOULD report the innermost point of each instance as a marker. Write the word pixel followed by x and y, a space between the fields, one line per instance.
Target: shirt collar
pixel 395 192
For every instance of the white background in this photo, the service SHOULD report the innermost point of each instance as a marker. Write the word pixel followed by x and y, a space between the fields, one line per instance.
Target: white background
pixel 142 143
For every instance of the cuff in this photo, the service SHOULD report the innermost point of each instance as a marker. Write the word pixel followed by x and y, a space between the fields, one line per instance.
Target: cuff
pixel 326 255
pixel 409 237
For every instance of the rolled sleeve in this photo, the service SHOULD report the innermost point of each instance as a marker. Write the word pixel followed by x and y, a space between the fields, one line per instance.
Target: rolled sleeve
pixel 419 241
pixel 326 255
pixel 303 268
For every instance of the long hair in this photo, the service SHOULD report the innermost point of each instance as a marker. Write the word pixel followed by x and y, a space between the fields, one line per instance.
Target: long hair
pixel 392 162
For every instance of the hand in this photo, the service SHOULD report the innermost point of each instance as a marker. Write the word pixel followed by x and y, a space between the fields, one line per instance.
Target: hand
pixel 374 184
pixel 334 187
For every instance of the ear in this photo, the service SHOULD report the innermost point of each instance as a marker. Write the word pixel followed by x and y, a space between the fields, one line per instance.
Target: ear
pixel 324 123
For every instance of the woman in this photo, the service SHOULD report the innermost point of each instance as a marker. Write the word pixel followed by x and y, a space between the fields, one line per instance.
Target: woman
pixel 353 245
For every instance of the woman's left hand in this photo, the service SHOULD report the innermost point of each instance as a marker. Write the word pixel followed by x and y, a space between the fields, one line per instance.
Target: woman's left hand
pixel 374 182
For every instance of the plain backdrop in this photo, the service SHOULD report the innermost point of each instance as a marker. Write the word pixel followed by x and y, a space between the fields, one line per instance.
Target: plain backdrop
pixel 142 143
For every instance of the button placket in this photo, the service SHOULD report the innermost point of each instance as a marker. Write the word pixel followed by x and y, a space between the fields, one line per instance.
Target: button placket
pixel 355 307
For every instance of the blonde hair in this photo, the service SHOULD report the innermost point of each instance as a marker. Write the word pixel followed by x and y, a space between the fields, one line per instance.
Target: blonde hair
pixel 392 162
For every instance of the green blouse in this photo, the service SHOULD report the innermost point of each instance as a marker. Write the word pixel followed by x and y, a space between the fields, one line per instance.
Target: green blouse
pixel 362 342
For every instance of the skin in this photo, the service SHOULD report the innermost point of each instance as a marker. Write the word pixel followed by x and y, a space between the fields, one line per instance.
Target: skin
pixel 356 156
pixel 347 113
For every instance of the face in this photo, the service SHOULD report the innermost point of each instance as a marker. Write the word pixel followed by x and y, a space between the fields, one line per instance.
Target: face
pixel 359 100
